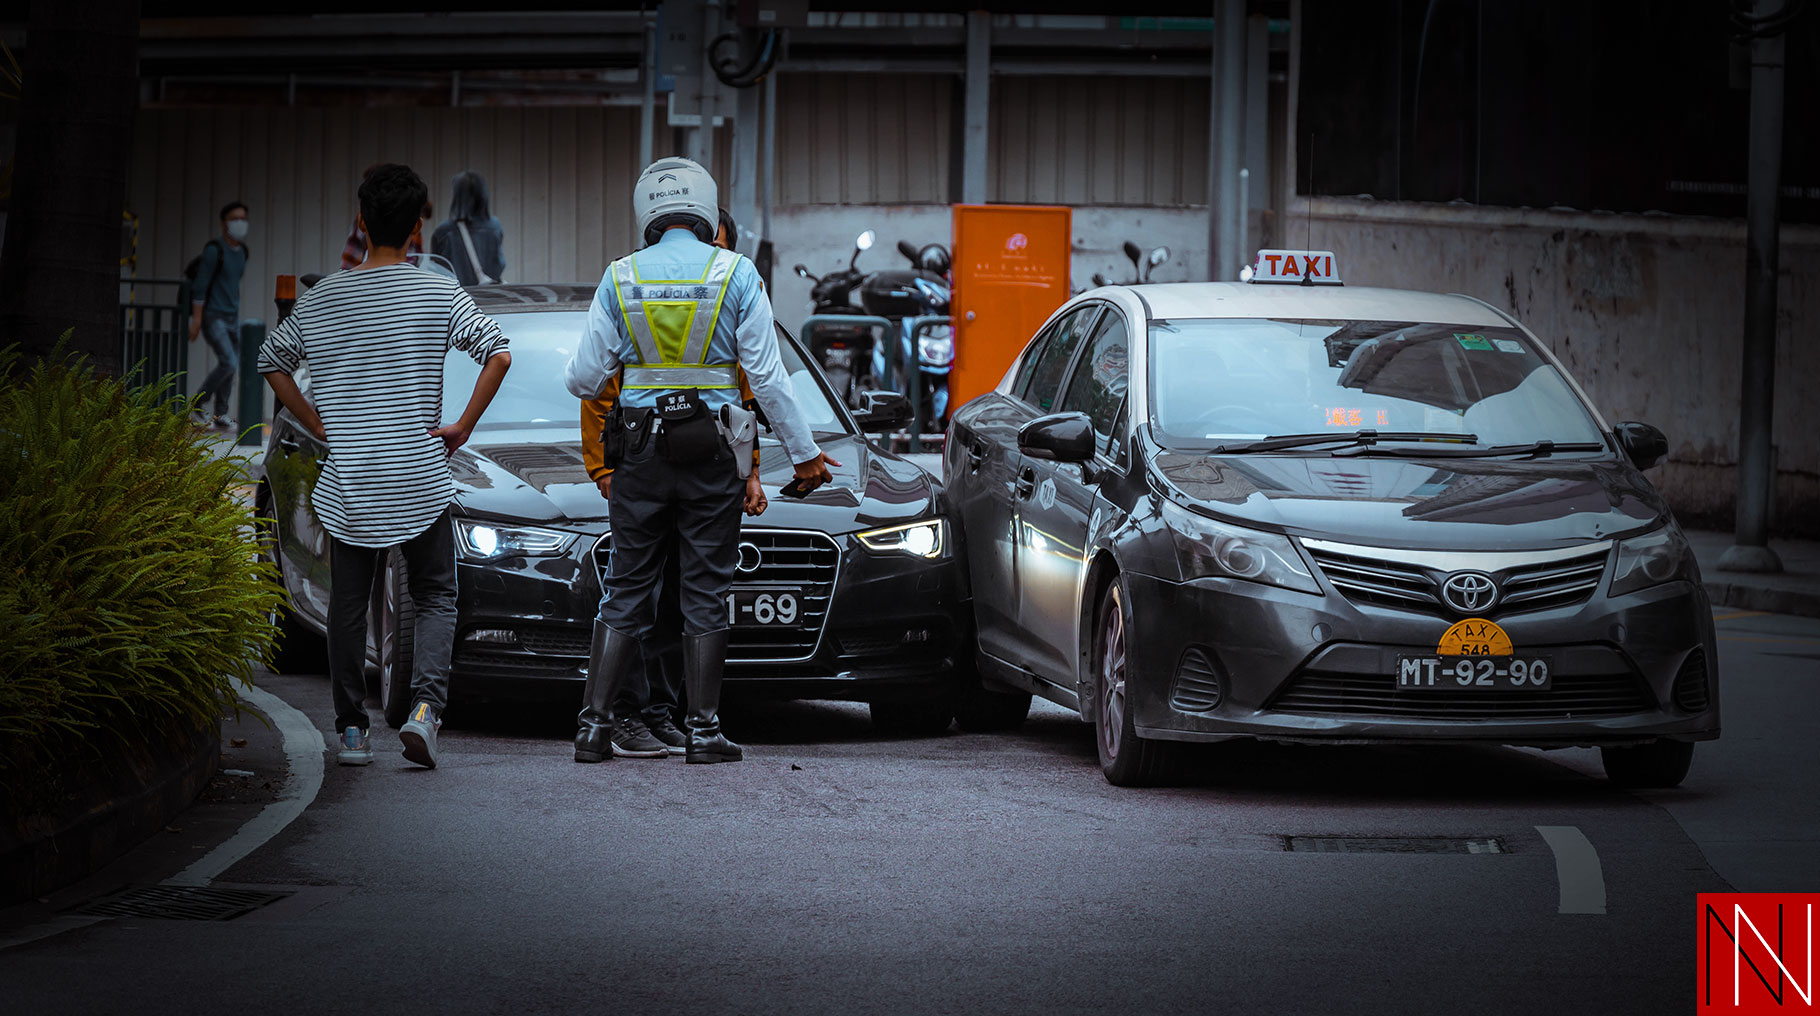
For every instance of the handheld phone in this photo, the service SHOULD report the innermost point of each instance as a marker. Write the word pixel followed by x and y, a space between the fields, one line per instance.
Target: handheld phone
pixel 796 488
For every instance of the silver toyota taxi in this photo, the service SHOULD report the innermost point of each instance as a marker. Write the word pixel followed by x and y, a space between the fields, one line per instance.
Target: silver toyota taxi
pixel 1292 509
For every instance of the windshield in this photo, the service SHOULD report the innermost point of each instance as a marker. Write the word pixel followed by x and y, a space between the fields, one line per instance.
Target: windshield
pixel 1224 379
pixel 534 395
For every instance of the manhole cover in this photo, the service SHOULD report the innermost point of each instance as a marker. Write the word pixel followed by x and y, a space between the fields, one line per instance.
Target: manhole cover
pixel 182 903
pixel 1396 844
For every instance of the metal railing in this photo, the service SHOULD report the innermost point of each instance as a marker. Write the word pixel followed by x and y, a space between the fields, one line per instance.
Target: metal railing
pixel 154 329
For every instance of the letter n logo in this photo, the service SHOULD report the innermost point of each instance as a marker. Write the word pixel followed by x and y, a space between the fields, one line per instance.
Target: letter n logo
pixel 1756 953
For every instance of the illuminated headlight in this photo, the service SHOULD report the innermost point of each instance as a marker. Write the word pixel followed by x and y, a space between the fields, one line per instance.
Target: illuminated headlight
pixel 1652 559
pixel 484 541
pixel 936 350
pixel 918 539
pixel 1214 549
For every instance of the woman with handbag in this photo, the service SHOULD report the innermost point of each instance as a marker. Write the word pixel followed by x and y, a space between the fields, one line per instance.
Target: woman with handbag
pixel 471 239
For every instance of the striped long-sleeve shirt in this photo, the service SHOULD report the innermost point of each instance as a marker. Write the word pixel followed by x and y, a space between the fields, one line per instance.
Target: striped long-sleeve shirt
pixel 375 342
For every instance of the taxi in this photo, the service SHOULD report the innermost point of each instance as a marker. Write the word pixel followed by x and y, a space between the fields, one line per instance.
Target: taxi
pixel 1291 509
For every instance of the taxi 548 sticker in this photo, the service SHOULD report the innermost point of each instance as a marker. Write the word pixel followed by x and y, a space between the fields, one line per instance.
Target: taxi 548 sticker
pixel 1474 636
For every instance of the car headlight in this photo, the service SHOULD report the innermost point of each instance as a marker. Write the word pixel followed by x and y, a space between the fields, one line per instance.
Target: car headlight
pixel 1214 549
pixel 1652 559
pixel 935 350
pixel 485 541
pixel 918 539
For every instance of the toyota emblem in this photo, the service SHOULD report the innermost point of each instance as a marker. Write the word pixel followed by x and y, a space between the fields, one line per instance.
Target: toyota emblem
pixel 1469 592
pixel 749 558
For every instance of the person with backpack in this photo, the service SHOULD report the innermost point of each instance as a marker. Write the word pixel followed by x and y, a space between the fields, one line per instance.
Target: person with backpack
pixel 471 239
pixel 215 309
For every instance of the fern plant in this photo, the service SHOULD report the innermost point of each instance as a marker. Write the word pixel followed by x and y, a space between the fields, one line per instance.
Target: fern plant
pixel 131 597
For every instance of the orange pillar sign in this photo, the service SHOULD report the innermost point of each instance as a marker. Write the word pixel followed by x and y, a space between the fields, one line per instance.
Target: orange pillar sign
pixel 1010 273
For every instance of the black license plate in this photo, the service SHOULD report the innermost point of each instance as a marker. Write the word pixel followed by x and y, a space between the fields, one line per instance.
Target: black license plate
pixel 1472 673
pixel 766 607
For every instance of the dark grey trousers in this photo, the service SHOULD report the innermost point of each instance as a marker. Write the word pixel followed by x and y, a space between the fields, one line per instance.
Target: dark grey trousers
pixel 429 571
pixel 654 691
pixel 659 510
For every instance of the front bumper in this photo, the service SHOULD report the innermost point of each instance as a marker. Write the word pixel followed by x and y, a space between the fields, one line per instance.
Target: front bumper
pixel 1213 659
pixel 888 626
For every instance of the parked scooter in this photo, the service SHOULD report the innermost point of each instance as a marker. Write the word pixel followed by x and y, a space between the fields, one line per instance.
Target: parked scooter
pixel 1141 264
pixel 916 301
pixel 843 350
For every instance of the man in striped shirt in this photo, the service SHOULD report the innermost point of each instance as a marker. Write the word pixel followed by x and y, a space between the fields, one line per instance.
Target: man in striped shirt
pixel 375 339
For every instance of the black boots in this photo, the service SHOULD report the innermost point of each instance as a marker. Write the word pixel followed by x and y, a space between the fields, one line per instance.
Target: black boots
pixel 608 658
pixel 703 658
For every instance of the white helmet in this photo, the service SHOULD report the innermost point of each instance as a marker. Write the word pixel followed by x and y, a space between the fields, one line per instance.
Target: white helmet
pixel 675 192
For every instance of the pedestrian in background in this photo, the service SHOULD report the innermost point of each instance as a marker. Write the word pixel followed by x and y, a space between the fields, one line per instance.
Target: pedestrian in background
pixel 644 708
pixel 376 339
pixel 471 239
pixel 354 251
pixel 215 310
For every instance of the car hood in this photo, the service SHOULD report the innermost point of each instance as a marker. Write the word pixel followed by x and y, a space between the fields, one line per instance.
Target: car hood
pixel 1440 504
pixel 538 476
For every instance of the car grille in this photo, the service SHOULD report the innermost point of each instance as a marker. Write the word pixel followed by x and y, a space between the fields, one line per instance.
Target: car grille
pixel 1330 693
pixel 555 641
pixel 524 663
pixel 1198 687
pixel 786 557
pixel 1384 581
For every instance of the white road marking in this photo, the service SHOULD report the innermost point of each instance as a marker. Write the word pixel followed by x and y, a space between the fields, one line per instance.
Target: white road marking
pixel 1576 868
pixel 303 751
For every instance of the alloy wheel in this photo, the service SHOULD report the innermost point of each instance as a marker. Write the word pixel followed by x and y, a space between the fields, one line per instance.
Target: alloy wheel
pixel 1110 718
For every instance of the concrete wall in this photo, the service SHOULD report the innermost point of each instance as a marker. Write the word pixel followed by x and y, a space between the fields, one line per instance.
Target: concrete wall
pixel 1647 312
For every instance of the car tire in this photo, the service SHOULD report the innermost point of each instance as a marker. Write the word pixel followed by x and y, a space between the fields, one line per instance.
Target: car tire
pixel 1657 765
pixel 1127 759
pixel 396 628
pixel 912 717
pixel 298 650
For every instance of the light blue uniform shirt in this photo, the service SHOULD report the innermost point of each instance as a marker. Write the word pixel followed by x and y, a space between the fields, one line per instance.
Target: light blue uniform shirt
pixel 746 334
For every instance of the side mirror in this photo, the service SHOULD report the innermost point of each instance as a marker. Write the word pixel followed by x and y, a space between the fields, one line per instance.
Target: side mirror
pixel 1136 256
pixel 1099 279
pixel 864 240
pixel 880 410
pixel 907 249
pixel 306 281
pixel 1061 437
pixel 1158 256
pixel 802 271
pixel 1645 445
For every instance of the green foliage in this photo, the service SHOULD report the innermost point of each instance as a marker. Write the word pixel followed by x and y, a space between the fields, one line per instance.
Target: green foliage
pixel 131 600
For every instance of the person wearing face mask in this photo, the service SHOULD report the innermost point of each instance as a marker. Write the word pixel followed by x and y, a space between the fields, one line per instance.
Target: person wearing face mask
pixel 215 310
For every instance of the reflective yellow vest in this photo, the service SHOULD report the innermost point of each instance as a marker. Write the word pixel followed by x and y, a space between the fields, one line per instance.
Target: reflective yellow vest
pixel 672 325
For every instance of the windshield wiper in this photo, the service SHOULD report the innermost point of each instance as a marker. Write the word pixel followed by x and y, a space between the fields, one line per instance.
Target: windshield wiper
pixel 1533 449
pixel 1363 438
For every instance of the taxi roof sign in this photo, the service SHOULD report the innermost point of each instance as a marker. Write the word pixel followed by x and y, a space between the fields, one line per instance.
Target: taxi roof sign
pixel 1300 267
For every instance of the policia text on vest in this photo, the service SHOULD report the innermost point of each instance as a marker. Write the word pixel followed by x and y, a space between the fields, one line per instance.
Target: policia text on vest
pixel 681 318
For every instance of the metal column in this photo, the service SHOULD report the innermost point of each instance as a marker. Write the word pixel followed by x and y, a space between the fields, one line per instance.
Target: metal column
pixel 1224 234
pixel 742 201
pixel 1756 462
pixel 647 110
pixel 767 187
pixel 974 139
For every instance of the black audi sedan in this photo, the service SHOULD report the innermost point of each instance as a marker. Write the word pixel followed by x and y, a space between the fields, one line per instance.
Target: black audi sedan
pixel 854 592
pixel 1202 511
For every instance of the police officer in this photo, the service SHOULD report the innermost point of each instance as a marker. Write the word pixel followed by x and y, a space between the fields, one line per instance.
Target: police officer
pixel 680 316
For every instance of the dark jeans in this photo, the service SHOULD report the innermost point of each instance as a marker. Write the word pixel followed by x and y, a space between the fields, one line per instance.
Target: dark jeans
pixel 223 335
pixel 429 571
pixel 655 690
pixel 660 510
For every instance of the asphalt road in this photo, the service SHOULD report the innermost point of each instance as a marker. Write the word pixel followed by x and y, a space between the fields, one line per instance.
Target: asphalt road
pixel 839 872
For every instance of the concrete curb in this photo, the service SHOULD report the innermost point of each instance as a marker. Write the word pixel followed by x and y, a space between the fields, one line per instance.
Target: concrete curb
pixel 1746 596
pixel 128 802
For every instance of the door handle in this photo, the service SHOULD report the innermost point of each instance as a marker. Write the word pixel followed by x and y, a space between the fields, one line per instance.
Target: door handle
pixel 290 444
pixel 1026 483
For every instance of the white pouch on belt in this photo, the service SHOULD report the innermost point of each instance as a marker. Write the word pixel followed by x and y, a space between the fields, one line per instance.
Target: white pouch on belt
pixel 739 426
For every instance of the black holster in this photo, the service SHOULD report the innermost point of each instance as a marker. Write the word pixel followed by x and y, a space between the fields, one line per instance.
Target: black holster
pixel 623 432
pixel 689 434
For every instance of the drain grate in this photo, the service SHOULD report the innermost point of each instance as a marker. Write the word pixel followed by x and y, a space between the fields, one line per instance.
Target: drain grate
pixel 1396 844
pixel 182 903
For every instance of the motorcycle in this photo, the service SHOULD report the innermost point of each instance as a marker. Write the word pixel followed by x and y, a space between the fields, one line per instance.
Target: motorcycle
pixel 843 349
pixel 1141 264
pixel 916 301
pixel 894 301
